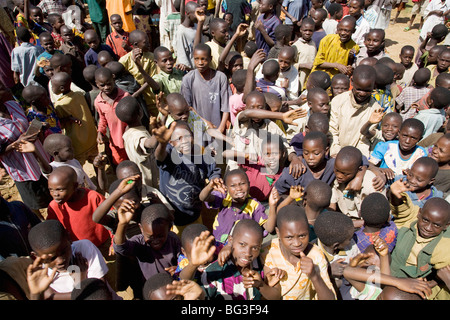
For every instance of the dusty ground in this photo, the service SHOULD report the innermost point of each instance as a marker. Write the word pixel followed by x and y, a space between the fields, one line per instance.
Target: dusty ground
pixel 395 39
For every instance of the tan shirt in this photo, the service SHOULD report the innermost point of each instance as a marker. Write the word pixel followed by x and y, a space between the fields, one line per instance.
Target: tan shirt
pixel 306 52
pixel 216 51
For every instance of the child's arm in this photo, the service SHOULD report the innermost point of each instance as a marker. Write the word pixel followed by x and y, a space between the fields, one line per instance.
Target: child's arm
pixel 258 57
pixel 271 222
pixel 295 194
pixel 125 213
pixel 148 79
pixel 29 147
pixel 125 186
pixel 188 289
pixel 376 116
pixel 240 32
pixel 287 117
pixel 215 184
pixel 162 135
pixel 383 252
pixel 307 266
pixel 202 251
pixel 201 17
pixel 396 190
pixel 99 164
pixel 260 27
pixel 38 279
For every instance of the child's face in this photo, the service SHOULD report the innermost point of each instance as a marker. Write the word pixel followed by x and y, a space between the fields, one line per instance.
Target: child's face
pixel 57 256
pixel 320 104
pixel 229 19
pixel 92 41
pixel 203 4
pixel 362 89
pixel 345 31
pixel 271 156
pixel 294 236
pixel 245 248
pixel 316 4
pixel 182 140
pixel 61 188
pixel 58 24
pixel 36 15
pixel 443 61
pixel 373 41
pixel 48 44
pixel 390 126
pixel 238 187
pixel 180 112
pixel 339 86
pixel 237 64
pixel 345 171
pixel 221 34
pixel 201 60
pixel 166 61
pixel 67 34
pixel 314 152
pixel 406 57
pixel 431 222
pixel 285 61
pixel 255 102
pixel 265 6
pixel 441 151
pixel 354 8
pixel 143 43
pixel 49 71
pixel 307 31
pixel 408 137
pixel 117 23
pixel 419 177
pixel 156 234
pixel 106 85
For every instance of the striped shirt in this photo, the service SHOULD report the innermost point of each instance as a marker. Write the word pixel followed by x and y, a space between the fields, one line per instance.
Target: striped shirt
pixel 20 166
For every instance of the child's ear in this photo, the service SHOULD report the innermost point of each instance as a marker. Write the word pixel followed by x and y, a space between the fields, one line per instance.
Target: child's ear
pixel 277 231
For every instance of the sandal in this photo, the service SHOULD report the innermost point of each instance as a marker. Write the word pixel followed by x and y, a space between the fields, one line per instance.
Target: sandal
pixel 407 29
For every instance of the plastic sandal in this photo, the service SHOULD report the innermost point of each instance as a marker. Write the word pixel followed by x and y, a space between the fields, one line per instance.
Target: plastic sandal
pixel 407 29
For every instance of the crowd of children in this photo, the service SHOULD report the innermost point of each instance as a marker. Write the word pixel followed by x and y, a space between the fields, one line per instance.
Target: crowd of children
pixel 239 150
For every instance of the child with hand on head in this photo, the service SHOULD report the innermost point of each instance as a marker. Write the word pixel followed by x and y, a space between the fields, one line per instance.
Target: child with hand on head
pixel 240 277
pixel 105 104
pixel 417 182
pixel 56 257
pixel 302 264
pixel 441 153
pixel 118 38
pixel 394 156
pixel 369 272
pixel 156 248
pixel 74 205
pixel 75 118
pixel 417 225
pixel 375 211
pixel 417 88
pixel 232 199
pixel 389 124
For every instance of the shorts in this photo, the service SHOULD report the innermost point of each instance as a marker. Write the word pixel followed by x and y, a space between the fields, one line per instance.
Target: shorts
pixel 34 194
pixel 419 7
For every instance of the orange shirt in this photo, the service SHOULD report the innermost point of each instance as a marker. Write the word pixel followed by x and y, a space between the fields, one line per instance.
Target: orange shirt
pixel 120 7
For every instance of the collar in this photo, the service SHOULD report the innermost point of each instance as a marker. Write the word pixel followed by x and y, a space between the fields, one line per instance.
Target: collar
pixel 356 105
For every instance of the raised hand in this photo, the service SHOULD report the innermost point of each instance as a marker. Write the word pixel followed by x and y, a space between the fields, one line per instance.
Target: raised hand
pixel 307 265
pixel 188 289
pixel 296 192
pixel 162 133
pixel 200 14
pixel 291 115
pixel 376 116
pixel 218 185
pixel 37 277
pixel 274 197
pixel 126 211
pixel 202 249
pixel 241 30
pixel 399 186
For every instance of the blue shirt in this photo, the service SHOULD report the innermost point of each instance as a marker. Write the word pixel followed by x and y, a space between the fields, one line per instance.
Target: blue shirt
pixel 91 55
pixel 435 193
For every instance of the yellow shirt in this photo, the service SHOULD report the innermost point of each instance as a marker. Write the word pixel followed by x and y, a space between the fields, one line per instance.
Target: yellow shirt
pixel 149 65
pixel 332 50
pixel 433 77
pixel 296 285
pixel 216 51
pixel 84 136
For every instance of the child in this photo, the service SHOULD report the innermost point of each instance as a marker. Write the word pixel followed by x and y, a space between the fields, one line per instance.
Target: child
pixel 432 39
pixel 335 232
pixel 303 264
pixel 243 270
pixel 249 50
pixel 383 93
pixel 161 286
pixel 118 39
pixel 286 59
pixel 318 166
pixel 397 155
pixel 271 71
pixel 56 21
pixel 407 60
pixel 89 75
pixel 265 25
pixel 306 49
pixel 319 16
pixel 73 45
pixel 138 143
pixel 41 108
pixel 155 241
pixel 93 41
pixel 182 172
pixel 375 211
pixel 124 9
pixel 335 14
pixel 24 58
pixel 140 62
pixel 356 10
pixel 433 118
pixel 212 105
pixel 348 163
pixel 390 127
pixel 282 35
pixel 232 199
pixel 443 63
pixel 373 45
pixel 51 239
pixel 75 117
pixel 419 181
pixel 340 83
pixel 416 225
pixel 335 52
pixel 105 103
pixel 351 109
pixel 48 43
pixel 441 153
pixel 74 205
pixel 170 75
pixel 413 92
pixel 220 36
pixel 236 104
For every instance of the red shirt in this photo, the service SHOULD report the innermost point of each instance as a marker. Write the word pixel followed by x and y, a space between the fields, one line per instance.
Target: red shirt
pixel 115 40
pixel 76 217
pixel 260 187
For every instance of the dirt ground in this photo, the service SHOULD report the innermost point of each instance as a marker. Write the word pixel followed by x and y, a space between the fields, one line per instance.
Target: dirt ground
pixel 396 38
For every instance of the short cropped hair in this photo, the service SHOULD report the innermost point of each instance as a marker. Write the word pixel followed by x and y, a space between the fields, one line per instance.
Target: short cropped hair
pixel 333 227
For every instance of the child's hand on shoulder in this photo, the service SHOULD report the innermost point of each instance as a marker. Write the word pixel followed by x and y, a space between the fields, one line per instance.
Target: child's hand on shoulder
pixel 224 254
pixel 296 167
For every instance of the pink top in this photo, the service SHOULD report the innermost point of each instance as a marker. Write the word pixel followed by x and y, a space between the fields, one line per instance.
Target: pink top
pixel 108 118
pixel 236 106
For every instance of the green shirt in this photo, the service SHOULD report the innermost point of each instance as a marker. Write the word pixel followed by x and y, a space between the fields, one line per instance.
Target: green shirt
pixel 169 82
